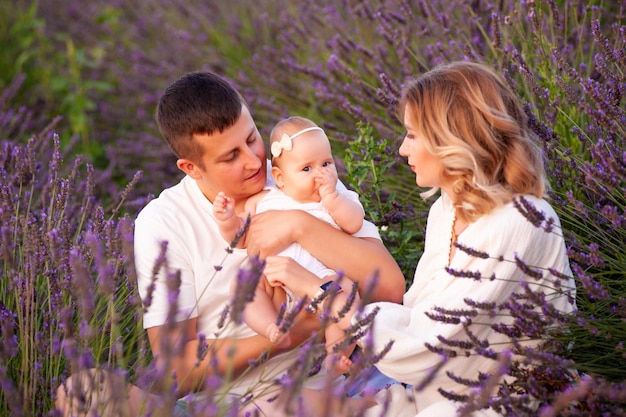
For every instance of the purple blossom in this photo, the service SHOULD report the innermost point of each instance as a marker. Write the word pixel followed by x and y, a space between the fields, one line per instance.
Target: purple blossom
pixel 247 281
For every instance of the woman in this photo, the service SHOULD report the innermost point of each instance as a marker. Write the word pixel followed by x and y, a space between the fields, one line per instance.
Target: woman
pixel 466 136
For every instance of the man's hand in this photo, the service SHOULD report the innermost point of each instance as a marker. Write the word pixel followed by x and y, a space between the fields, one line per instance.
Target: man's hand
pixel 272 231
pixel 284 271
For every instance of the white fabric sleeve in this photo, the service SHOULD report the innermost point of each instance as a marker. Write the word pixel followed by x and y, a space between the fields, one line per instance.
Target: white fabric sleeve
pixel 148 237
pixel 409 327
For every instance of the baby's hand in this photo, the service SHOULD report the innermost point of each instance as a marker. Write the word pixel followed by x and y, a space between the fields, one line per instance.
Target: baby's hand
pixel 326 180
pixel 223 207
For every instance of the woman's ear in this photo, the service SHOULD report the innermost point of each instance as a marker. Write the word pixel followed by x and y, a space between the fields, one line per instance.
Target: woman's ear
pixel 189 168
pixel 278 176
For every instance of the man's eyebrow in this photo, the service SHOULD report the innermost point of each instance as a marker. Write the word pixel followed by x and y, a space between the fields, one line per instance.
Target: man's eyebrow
pixel 231 150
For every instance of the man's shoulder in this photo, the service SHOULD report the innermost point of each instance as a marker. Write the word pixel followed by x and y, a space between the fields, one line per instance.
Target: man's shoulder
pixel 170 202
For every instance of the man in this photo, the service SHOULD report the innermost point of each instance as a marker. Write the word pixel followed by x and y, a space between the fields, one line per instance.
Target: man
pixel 210 129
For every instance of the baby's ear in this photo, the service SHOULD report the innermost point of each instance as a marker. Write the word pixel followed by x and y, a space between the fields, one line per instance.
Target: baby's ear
pixel 277 173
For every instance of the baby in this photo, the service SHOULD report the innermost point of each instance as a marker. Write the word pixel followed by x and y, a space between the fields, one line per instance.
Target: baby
pixel 306 179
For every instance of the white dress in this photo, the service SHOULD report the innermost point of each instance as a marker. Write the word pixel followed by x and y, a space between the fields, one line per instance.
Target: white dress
pixel 504 232
pixel 275 199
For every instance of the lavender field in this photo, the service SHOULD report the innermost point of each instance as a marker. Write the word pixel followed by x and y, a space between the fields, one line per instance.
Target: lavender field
pixel 80 155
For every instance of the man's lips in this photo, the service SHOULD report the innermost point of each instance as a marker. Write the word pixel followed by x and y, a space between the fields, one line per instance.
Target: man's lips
pixel 254 176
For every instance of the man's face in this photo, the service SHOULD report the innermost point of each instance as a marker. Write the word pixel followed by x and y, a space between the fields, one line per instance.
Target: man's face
pixel 233 161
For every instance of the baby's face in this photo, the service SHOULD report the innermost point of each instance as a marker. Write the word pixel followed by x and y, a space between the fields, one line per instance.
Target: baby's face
pixel 310 158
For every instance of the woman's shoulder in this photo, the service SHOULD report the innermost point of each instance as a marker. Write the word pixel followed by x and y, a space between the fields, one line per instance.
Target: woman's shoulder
pixel 442 204
pixel 528 208
pixel 440 209
pixel 524 215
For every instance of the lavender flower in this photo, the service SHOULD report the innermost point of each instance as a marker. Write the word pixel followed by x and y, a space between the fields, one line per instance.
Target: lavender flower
pixel 60 225
pixel 247 281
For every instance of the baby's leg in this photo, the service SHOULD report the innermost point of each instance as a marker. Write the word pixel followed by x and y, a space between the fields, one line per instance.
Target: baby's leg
pixel 277 298
pixel 261 313
pixel 337 362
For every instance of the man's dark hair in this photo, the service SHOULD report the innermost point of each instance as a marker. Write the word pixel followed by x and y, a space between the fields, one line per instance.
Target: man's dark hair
pixel 197 103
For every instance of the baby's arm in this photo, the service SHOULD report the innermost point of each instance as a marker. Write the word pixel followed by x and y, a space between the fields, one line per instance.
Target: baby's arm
pixel 348 214
pixel 228 222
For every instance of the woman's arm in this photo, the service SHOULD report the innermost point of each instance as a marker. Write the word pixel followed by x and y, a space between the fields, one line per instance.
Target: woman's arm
pixel 359 258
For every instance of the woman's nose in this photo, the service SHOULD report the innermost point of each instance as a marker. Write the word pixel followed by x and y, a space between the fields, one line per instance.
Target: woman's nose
pixel 404 148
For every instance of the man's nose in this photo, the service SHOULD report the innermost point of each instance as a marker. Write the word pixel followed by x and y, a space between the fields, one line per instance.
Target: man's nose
pixel 252 160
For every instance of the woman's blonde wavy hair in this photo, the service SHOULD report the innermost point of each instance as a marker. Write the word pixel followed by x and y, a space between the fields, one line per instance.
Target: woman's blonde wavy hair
pixel 475 125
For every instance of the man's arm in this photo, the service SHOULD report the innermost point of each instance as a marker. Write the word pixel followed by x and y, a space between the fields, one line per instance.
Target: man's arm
pixel 358 258
pixel 176 351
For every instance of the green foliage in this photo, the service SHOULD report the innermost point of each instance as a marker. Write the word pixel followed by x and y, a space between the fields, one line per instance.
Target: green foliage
pixel 57 81
pixel 336 62
pixel 20 32
pixel 370 164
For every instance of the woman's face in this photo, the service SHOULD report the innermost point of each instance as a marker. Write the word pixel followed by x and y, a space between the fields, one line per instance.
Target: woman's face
pixel 427 167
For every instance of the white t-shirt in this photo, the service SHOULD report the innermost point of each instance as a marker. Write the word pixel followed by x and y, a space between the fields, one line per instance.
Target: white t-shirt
pixel 506 231
pixel 275 199
pixel 183 218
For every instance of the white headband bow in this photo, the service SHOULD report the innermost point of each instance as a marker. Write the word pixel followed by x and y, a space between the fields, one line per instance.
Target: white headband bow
pixel 285 141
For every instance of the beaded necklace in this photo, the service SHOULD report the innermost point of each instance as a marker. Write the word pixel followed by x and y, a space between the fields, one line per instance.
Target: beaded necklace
pixel 454 236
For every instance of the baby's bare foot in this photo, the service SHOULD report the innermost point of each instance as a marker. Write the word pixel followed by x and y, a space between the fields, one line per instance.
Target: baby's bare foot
pixel 338 363
pixel 277 337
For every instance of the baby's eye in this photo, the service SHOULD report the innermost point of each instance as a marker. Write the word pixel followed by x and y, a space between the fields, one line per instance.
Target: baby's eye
pixel 306 169
pixel 326 164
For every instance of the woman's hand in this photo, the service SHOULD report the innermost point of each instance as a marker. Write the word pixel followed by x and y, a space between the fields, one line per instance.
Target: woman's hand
pixel 284 271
